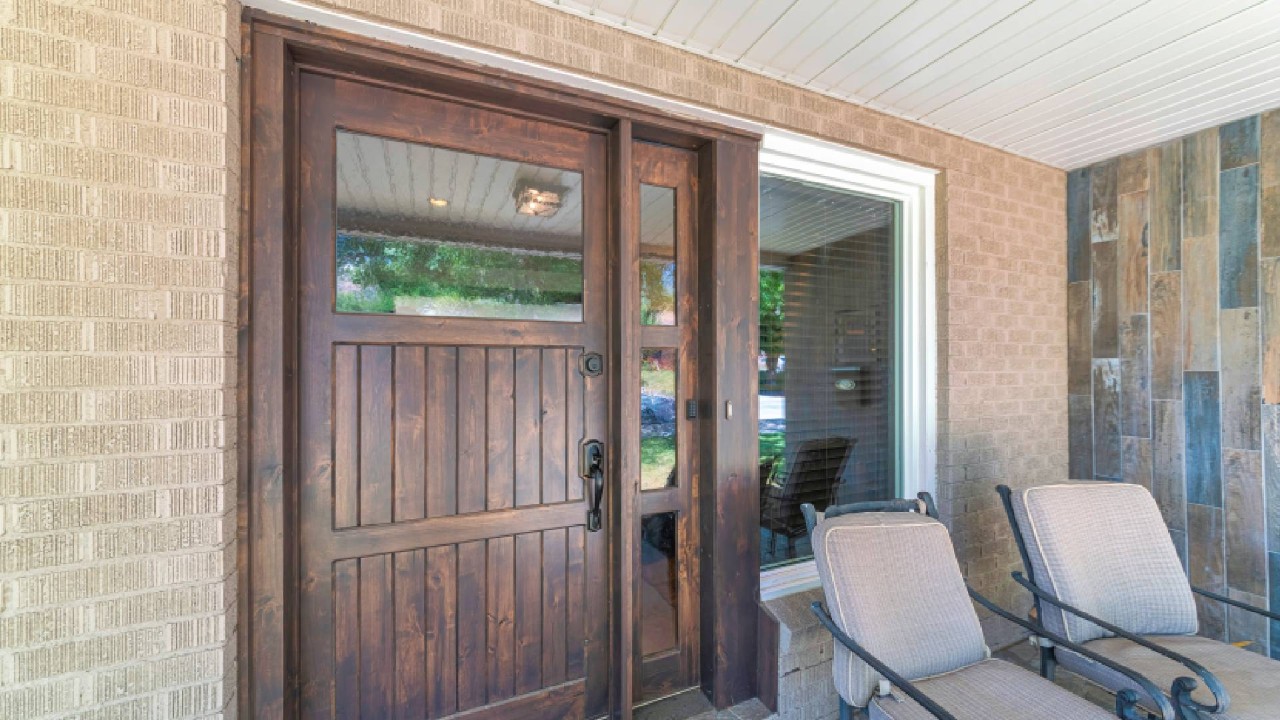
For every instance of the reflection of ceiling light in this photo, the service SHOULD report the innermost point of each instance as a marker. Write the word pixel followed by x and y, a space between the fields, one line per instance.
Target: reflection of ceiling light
pixel 539 200
pixel 438 202
pixel 541 203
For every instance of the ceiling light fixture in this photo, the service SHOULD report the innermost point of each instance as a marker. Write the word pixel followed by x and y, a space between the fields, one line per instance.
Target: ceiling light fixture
pixel 539 200
pixel 438 202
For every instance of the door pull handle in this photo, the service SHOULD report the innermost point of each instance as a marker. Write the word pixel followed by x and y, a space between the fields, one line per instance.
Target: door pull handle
pixel 591 468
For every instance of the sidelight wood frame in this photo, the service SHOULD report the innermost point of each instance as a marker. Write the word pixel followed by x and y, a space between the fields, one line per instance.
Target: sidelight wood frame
pixel 275 51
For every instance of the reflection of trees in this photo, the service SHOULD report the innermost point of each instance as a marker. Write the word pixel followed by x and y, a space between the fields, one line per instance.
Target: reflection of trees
pixel 383 269
pixel 657 289
pixel 771 317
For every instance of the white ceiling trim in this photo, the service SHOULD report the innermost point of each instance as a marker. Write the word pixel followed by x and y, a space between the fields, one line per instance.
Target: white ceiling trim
pixel 1065 82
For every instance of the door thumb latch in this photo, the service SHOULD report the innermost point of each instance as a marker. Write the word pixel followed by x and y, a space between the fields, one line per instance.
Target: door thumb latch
pixel 591 364
pixel 591 468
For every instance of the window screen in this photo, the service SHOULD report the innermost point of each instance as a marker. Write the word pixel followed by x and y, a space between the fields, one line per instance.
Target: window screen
pixel 826 365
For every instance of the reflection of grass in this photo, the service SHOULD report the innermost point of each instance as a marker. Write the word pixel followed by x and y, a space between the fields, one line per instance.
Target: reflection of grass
pixel 658 382
pixel 657 456
pixel 772 445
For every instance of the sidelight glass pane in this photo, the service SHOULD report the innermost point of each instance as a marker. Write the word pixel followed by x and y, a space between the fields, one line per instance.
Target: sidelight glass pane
pixel 658 583
pixel 826 364
pixel 657 255
pixel 658 413
pixel 424 230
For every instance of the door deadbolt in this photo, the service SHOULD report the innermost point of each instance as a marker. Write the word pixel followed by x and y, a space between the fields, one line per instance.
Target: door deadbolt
pixel 591 364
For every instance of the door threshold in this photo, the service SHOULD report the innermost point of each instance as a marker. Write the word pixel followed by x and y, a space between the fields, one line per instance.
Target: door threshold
pixel 683 705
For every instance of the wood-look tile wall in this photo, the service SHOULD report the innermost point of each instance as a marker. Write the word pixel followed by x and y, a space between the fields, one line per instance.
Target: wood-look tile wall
pixel 1173 302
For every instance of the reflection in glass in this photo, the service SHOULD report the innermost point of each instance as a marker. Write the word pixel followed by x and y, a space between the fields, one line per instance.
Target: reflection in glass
pixel 657 418
pixel 657 255
pixel 658 583
pixel 826 399
pixel 423 230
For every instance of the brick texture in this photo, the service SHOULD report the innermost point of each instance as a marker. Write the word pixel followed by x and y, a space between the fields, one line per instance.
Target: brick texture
pixel 119 145
pixel 118 181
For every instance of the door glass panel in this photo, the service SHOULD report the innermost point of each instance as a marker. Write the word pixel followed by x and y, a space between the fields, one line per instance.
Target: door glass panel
pixel 425 230
pixel 657 255
pixel 658 413
pixel 658 583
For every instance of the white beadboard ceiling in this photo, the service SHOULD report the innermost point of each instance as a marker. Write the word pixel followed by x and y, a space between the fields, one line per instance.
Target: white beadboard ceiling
pixel 1065 82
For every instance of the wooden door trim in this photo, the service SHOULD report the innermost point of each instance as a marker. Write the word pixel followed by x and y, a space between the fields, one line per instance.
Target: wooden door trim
pixel 274 51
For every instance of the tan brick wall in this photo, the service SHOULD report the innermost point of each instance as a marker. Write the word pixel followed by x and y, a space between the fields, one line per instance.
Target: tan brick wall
pixel 119 146
pixel 1001 263
pixel 118 183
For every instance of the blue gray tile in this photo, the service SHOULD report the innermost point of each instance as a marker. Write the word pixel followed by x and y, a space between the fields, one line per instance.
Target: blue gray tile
pixel 1135 378
pixel 1106 338
pixel 1203 434
pixel 1238 142
pixel 1079 337
pixel 1274 571
pixel 1080 436
pixel 1166 336
pixel 1167 481
pixel 1238 238
pixel 1206 561
pixel 1106 420
pixel 1137 460
pixel 1241 379
pixel 1078 228
pixel 1271 472
pixel 1246 521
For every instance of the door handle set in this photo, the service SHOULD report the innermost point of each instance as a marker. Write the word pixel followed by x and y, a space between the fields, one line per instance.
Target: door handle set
pixel 591 469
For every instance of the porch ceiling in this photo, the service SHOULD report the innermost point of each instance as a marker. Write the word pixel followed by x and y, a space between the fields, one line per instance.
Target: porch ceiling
pixel 1065 82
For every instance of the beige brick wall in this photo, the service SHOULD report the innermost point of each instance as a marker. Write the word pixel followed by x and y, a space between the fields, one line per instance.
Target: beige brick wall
pixel 1001 263
pixel 118 185
pixel 119 146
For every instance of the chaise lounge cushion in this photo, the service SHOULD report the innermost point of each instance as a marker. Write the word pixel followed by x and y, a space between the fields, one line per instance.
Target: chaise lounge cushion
pixel 1252 681
pixel 1103 547
pixel 893 585
pixel 990 690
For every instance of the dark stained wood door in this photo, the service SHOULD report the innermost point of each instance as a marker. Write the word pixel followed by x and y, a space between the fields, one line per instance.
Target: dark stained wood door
pixel 445 564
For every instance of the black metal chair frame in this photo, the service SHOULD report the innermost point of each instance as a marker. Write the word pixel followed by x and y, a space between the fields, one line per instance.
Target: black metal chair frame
pixel 1182 687
pixel 1127 707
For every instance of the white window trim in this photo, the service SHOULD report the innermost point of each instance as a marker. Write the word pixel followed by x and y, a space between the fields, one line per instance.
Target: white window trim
pixel 912 188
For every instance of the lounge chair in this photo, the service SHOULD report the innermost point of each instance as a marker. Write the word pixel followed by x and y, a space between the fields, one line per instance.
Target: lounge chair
pixel 909 645
pixel 811 475
pixel 1105 574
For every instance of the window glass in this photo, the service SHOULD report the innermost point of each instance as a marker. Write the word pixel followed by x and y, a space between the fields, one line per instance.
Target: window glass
pixel 657 255
pixel 657 418
pixel 658 583
pixel 424 230
pixel 825 366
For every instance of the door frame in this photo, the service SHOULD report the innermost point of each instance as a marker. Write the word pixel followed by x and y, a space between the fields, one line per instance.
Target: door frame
pixel 275 51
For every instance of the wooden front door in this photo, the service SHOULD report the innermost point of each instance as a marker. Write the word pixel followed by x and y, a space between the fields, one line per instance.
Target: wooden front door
pixel 452 282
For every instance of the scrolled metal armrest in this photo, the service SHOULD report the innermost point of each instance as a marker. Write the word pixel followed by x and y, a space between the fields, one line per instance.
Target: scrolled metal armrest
pixel 1182 687
pixel 1236 603
pixel 1126 700
pixel 897 680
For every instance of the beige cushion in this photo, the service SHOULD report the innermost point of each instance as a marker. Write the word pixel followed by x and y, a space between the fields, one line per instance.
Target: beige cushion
pixel 1251 680
pixel 1103 547
pixel 893 585
pixel 990 690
